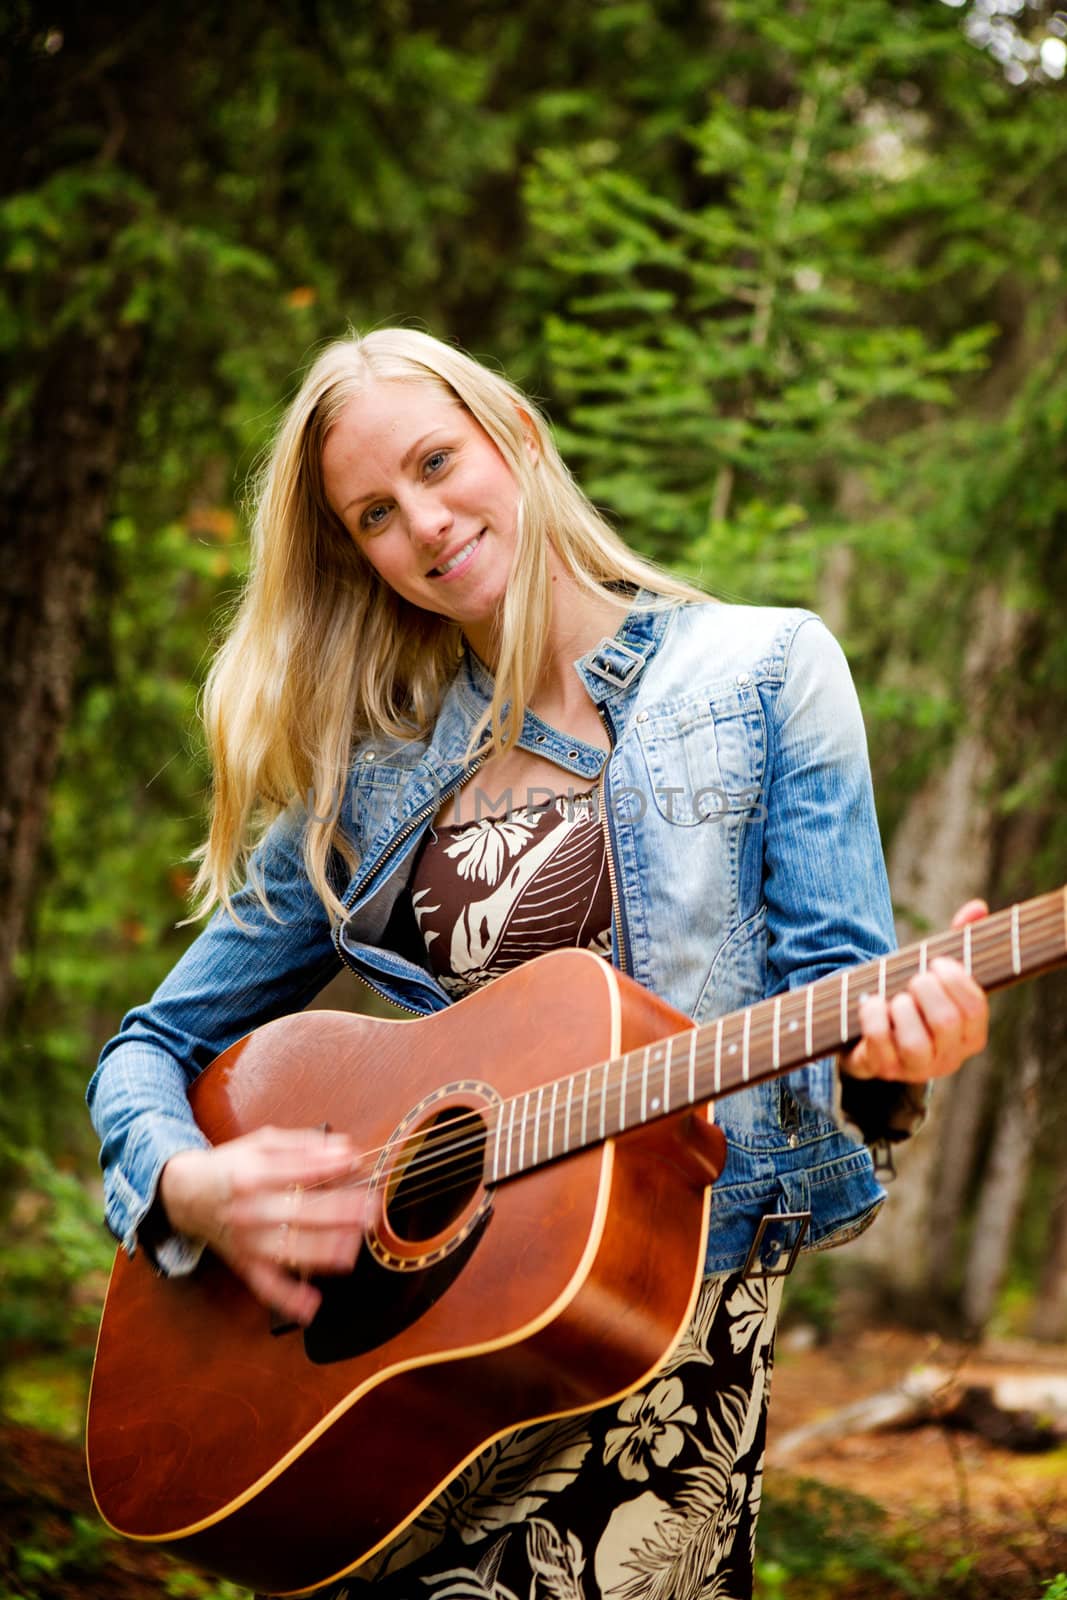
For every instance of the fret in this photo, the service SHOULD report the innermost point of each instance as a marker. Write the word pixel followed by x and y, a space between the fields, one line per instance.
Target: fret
pixel 693 1054
pixel 668 1067
pixel 567 1115
pixel 808 1004
pixel 922 958
pixel 511 1129
pixel 537 1125
pixel 644 1088
pixel 881 977
pixel 604 1101
pixel 496 1145
pixel 843 1024
pixel 967 946
pixel 718 1056
pixel 522 1131
pixel 1016 951
pixel 622 1093
pixel 775 1046
pixel 585 1106
pixel 552 1120
pixel 745 1037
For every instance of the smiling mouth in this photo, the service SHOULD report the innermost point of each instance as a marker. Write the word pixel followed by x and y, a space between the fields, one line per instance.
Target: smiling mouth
pixel 457 560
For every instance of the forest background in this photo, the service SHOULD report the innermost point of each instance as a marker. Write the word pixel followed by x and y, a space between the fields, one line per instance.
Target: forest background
pixel 789 280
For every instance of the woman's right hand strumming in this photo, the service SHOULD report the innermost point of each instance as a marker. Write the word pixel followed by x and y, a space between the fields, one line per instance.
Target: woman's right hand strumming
pixel 274 1206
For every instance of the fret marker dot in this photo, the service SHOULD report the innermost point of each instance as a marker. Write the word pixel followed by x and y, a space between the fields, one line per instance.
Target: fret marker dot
pixel 655 1105
pixel 793 1025
pixel 732 1051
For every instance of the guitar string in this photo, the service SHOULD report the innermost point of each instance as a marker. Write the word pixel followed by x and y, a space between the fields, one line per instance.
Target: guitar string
pixel 441 1157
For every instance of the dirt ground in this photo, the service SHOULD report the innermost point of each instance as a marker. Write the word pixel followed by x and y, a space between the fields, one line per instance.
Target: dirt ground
pixel 1005 1512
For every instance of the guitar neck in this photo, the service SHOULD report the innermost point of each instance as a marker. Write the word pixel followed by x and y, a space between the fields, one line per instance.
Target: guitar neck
pixel 763 1041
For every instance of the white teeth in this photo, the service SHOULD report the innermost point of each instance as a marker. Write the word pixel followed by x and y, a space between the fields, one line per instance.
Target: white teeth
pixel 460 555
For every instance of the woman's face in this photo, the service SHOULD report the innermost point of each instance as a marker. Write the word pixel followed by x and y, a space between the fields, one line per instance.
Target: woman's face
pixel 428 498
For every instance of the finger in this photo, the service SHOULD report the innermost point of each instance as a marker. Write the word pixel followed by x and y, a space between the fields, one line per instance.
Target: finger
pixel 297 1249
pixel 291 1149
pixel 334 1252
pixel 315 1211
pixel 875 1055
pixel 269 1168
pixel 970 999
pixel 970 911
pixel 309 1140
pixel 914 1037
pixel 295 1300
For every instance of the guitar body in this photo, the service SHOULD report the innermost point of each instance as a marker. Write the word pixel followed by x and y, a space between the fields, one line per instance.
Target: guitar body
pixel 282 1459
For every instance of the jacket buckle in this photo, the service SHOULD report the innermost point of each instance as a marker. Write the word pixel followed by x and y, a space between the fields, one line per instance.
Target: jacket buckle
pixel 615 662
pixel 755 1266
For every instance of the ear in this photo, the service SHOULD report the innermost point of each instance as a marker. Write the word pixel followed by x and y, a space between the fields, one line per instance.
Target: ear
pixel 529 433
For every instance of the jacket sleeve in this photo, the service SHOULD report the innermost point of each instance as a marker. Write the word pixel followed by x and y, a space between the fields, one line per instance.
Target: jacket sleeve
pixel 825 883
pixel 232 979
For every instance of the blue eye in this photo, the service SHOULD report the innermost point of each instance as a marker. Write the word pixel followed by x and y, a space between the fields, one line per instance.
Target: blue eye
pixel 374 517
pixel 436 460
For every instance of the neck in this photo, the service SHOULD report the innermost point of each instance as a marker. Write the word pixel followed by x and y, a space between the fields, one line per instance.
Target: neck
pixel 763 1041
pixel 578 621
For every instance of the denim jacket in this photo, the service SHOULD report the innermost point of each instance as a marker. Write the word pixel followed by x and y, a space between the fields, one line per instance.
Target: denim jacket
pixel 746 860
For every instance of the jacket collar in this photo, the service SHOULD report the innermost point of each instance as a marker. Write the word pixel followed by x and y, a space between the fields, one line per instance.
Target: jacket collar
pixel 609 671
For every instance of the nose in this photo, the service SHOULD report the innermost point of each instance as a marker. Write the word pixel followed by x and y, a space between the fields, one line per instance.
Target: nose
pixel 429 520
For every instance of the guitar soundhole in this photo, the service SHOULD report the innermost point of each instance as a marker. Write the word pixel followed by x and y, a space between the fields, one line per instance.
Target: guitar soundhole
pixel 440 1176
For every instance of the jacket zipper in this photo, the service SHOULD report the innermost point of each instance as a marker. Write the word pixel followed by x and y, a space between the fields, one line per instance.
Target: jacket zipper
pixel 361 888
pixel 621 942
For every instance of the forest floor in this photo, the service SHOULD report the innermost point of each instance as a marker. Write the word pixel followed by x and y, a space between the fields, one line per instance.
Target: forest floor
pixel 920 1510
pixel 964 1516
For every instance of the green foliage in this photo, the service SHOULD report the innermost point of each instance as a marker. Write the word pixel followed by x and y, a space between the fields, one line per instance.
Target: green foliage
pixel 811 1294
pixel 84 1552
pixel 820 1537
pixel 768 330
pixel 55 1259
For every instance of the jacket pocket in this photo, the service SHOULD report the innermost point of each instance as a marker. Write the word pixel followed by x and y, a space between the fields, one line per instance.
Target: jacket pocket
pixel 705 757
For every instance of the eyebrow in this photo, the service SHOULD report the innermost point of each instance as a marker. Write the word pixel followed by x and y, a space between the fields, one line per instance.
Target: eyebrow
pixel 405 461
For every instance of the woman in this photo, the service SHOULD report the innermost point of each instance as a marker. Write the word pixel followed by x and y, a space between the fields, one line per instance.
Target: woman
pixel 478 726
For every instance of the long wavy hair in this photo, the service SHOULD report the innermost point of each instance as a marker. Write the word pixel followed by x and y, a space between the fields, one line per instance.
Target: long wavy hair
pixel 321 653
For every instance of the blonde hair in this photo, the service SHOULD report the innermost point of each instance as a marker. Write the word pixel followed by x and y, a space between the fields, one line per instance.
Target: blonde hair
pixel 322 653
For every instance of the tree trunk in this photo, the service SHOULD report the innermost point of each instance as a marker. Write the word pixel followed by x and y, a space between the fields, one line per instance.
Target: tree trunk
pixel 966 1099
pixel 54 505
pixel 939 858
pixel 942 855
pixel 1050 1309
pixel 1003 1186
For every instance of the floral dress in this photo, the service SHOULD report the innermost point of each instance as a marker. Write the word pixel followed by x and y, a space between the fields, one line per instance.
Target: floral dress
pixel 652 1497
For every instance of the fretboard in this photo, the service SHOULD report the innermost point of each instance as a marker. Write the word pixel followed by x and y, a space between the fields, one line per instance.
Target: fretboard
pixel 763 1041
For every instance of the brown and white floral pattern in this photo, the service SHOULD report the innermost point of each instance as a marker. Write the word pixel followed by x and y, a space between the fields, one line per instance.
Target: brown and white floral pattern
pixel 491 894
pixel 652 1497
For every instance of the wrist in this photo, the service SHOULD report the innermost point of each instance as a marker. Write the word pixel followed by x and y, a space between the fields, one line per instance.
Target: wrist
pixel 182 1187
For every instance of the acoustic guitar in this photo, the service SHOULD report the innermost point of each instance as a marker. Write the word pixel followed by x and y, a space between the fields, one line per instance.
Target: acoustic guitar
pixel 539 1168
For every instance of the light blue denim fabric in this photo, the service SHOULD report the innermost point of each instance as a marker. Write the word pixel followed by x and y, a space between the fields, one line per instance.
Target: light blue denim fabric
pixel 748 862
